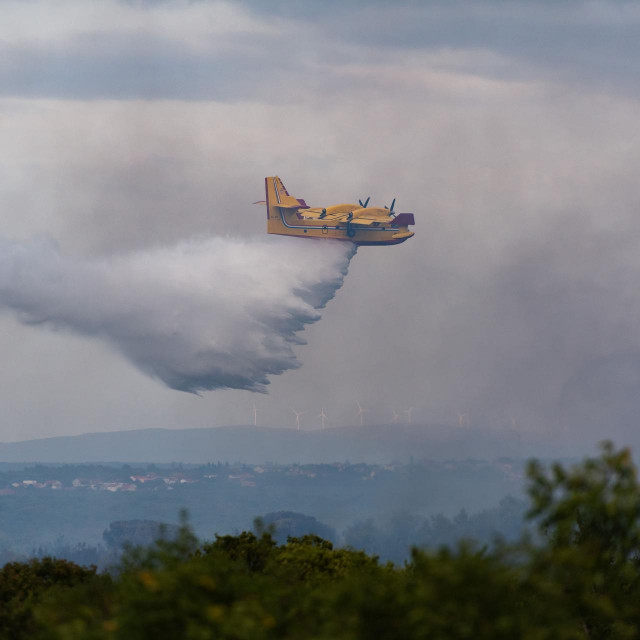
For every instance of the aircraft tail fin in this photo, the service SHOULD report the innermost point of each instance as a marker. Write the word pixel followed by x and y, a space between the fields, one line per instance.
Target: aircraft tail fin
pixel 280 205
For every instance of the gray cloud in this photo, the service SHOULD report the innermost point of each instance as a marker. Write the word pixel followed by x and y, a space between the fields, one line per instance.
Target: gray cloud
pixel 209 314
pixel 269 52
pixel 129 66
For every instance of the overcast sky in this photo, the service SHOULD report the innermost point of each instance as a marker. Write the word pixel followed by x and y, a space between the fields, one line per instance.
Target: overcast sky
pixel 510 129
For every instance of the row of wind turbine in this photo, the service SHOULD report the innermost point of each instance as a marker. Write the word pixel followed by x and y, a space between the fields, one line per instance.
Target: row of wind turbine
pixel 323 416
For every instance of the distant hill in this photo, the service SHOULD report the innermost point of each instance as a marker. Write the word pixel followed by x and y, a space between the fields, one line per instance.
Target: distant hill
pixel 371 444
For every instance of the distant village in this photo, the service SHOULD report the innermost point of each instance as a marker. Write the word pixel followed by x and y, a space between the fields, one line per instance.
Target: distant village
pixel 60 508
pixel 127 479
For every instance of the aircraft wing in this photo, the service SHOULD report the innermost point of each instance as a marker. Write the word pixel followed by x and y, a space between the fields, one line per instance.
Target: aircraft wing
pixel 366 219
pixel 371 220
pixel 365 222
pixel 347 213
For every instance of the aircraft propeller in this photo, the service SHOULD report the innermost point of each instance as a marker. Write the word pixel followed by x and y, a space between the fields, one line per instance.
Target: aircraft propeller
pixel 366 202
pixel 391 212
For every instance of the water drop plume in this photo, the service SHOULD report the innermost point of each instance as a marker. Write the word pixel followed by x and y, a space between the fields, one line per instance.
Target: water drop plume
pixel 208 313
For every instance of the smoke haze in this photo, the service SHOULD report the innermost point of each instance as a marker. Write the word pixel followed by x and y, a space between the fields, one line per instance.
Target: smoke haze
pixel 205 314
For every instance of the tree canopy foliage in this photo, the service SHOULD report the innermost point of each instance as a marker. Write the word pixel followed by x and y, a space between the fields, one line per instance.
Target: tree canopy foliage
pixel 576 576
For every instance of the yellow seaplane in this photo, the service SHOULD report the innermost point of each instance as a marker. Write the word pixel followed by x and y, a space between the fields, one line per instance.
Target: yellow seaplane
pixel 358 223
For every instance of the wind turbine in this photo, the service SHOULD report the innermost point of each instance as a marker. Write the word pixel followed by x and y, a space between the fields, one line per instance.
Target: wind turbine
pixel 361 413
pixel 255 415
pixel 396 416
pixel 322 416
pixel 463 419
pixel 298 414
pixel 409 413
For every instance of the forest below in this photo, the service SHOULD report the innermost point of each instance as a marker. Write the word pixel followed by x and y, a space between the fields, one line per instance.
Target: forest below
pixel 575 575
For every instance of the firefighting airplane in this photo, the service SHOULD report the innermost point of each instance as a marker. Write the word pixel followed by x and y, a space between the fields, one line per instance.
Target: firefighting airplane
pixel 359 223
